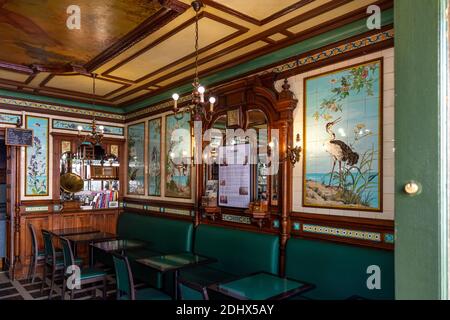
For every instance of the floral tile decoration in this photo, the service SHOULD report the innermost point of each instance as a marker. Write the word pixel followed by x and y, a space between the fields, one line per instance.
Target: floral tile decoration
pixel 342 138
pixel 154 165
pixel 136 147
pixel 36 181
pixel 178 156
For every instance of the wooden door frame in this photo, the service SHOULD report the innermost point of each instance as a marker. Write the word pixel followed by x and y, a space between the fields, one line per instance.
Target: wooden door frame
pixel 12 206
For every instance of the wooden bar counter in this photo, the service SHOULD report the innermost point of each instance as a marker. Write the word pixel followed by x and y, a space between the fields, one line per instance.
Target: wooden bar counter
pixel 43 217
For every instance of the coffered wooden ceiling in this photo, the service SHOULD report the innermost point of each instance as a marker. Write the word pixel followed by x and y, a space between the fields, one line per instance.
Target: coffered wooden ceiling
pixel 140 48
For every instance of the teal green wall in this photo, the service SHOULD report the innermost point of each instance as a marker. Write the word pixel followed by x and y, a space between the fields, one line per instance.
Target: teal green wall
pixel 420 223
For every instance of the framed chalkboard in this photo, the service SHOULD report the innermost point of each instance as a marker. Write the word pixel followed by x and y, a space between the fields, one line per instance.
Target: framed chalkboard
pixel 19 137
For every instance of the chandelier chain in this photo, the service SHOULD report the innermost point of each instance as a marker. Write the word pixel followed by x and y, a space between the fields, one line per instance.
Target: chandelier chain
pixel 196 48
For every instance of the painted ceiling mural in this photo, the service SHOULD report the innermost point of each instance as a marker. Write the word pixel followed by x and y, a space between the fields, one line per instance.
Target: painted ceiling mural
pixel 35 32
pixel 140 49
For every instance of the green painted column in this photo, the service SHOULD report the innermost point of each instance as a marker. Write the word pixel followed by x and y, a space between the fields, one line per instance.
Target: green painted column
pixel 421 223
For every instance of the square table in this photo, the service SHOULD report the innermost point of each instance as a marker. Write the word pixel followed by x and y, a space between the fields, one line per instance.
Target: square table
pixel 175 262
pixel 89 238
pixel 119 245
pixel 72 231
pixel 261 286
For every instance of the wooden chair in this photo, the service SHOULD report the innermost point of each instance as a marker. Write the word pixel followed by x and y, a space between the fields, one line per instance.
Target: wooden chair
pixel 125 283
pixel 37 256
pixel 87 276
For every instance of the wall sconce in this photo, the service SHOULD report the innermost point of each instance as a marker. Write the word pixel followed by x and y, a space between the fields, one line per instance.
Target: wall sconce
pixel 292 152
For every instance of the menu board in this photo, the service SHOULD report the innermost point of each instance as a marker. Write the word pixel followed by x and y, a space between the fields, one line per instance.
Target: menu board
pixel 19 137
pixel 234 176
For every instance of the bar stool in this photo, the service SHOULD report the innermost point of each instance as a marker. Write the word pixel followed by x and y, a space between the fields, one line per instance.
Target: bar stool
pixel 89 275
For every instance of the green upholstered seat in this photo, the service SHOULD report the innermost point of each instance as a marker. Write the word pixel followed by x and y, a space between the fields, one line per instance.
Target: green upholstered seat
pixel 163 235
pixel 238 252
pixel 338 271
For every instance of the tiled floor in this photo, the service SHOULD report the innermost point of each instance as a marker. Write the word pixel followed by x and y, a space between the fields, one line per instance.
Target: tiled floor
pixel 25 290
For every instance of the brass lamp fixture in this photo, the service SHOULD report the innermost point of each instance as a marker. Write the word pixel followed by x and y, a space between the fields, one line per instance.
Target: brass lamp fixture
pixel 292 152
pixel 95 136
pixel 198 107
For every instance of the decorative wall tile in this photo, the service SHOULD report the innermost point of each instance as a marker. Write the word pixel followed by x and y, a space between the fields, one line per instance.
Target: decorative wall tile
pixel 136 158
pixel 276 223
pixel 51 107
pixel 389 238
pixel 296 226
pixel 236 219
pixel 36 158
pixel 36 209
pixel 154 157
pixel 87 127
pixel 340 232
pixel 10 118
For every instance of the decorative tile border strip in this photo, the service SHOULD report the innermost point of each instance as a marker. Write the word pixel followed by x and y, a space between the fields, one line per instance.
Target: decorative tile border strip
pixel 340 232
pixel 326 54
pixel 236 219
pixel 51 107
pixel 332 52
pixel 156 107
pixel 36 209
pixel 133 206
pixel 73 126
pixel 9 118
pixel 181 212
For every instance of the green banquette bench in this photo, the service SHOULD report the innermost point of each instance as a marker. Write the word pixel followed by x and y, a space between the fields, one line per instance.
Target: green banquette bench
pixel 339 271
pixel 164 236
pixel 237 252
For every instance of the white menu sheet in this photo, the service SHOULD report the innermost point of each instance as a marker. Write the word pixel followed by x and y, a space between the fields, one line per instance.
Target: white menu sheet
pixel 234 176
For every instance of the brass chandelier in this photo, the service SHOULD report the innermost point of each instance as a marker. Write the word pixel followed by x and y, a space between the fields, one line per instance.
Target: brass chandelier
pixel 198 107
pixel 95 136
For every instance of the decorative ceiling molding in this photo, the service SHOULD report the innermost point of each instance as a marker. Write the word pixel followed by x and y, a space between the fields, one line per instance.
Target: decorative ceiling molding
pixel 257 33
pixel 361 43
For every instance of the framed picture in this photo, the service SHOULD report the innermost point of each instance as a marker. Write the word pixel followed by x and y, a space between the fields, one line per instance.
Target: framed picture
pixel 136 155
pixel 114 149
pixel 154 157
pixel 66 146
pixel 234 118
pixel 342 160
pixel 36 158
pixel 178 156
